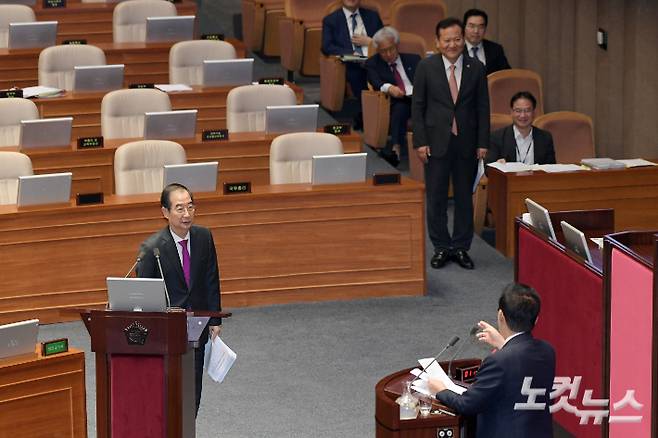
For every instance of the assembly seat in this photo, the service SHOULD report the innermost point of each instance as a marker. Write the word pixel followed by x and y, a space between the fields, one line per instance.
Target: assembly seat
pixel 122 111
pixel 260 25
pixel 129 18
pixel 504 84
pixel 12 165
pixel 12 111
pixel 419 17
pixel 56 63
pixel 573 135
pixel 186 59
pixel 139 165
pixel 13 14
pixel 291 155
pixel 245 105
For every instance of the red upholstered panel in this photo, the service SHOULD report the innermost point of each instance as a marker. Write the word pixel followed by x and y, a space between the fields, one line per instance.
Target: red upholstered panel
pixel 571 319
pixel 137 396
pixel 631 307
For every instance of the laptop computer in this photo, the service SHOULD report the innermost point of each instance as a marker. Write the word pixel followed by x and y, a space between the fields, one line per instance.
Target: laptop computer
pixel 41 133
pixel 198 177
pixel 228 72
pixel 18 338
pixel 136 294
pixel 177 28
pixel 291 118
pixel 51 188
pixel 32 35
pixel 170 124
pixel 98 77
pixel 337 169
pixel 541 220
pixel 575 240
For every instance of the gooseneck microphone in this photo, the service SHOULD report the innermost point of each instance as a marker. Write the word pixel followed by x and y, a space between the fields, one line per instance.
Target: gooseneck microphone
pixel 156 253
pixel 472 333
pixel 140 256
pixel 450 344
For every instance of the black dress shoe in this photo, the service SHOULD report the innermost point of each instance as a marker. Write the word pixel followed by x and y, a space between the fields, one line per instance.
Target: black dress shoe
pixel 440 258
pixel 391 159
pixel 463 259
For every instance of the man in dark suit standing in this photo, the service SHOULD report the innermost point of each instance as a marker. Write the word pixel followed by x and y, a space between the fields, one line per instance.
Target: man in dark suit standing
pixel 189 265
pixel 496 395
pixel 487 52
pixel 450 115
pixel 392 73
pixel 522 142
pixel 347 31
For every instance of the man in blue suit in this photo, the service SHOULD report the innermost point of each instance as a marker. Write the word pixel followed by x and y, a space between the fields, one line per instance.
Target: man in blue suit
pixel 496 395
pixel 392 73
pixel 347 31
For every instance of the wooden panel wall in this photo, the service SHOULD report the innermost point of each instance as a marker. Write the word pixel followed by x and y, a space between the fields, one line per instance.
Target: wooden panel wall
pixel 618 88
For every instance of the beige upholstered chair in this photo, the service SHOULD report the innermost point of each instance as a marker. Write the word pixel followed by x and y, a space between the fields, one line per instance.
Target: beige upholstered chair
pixel 12 111
pixel 122 111
pixel 260 25
pixel 419 17
pixel 186 59
pixel 56 63
pixel 245 105
pixel 499 121
pixel 139 166
pixel 504 84
pixel 573 135
pixel 129 18
pixel 13 14
pixel 291 155
pixel 12 165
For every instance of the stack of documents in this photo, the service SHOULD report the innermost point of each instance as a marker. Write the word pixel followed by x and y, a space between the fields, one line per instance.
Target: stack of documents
pixel 511 167
pixel 41 91
pixel 169 88
pixel 637 162
pixel 435 371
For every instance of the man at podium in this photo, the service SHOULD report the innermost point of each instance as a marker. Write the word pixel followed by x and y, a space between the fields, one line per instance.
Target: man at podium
pixel 188 265
pixel 500 397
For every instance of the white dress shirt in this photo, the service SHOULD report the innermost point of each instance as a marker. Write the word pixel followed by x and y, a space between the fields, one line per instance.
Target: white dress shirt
pixel 179 248
pixel 360 27
pixel 480 53
pixel 459 64
pixel 408 88
pixel 525 149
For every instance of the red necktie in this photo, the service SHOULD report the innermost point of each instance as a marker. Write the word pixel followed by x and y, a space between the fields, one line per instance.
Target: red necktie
pixel 398 79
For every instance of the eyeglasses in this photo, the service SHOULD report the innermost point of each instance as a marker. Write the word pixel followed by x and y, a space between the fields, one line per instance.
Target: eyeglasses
pixel 180 209
pixel 522 110
pixel 472 26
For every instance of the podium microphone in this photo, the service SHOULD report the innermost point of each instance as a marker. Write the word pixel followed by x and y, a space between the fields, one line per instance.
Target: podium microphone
pixel 450 344
pixel 472 333
pixel 156 253
pixel 140 256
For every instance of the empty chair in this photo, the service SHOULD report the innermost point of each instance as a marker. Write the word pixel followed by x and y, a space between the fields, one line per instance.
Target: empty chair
pixel 56 63
pixel 383 8
pixel 499 121
pixel 245 105
pixel 260 25
pixel 504 84
pixel 13 14
pixel 291 155
pixel 419 17
pixel 139 166
pixel 186 59
pixel 12 111
pixel 573 135
pixel 129 18
pixel 122 111
pixel 12 165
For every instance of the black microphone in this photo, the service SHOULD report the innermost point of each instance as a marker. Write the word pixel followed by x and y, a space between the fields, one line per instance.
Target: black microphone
pixel 472 333
pixel 156 253
pixel 140 256
pixel 450 344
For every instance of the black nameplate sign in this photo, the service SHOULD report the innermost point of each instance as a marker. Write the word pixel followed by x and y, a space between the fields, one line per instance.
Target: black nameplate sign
pixel 16 92
pixel 338 129
pixel 55 346
pixel 90 142
pixel 213 36
pixel 144 85
pixel 231 188
pixel 271 81
pixel 214 135
pixel 89 198
pixel 380 179
pixel 51 4
pixel 79 42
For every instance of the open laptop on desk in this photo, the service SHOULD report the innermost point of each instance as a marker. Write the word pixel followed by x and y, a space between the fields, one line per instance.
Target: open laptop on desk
pixel 177 28
pixel 337 169
pixel 51 188
pixel 98 77
pixel 227 72
pixel 575 240
pixel 32 35
pixel 136 294
pixel 170 124
pixel 42 133
pixel 291 118
pixel 18 338
pixel 541 220
pixel 198 177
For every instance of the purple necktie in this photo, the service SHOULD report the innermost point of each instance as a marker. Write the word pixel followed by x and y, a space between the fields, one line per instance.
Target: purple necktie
pixel 186 261
pixel 398 77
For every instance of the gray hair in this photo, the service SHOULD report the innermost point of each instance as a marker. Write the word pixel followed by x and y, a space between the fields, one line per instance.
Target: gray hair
pixel 385 33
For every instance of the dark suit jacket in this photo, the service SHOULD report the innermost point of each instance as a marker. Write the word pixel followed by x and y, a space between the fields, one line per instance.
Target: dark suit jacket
pixel 203 293
pixel 336 33
pixel 379 72
pixel 503 145
pixel 495 56
pixel 498 387
pixel 432 109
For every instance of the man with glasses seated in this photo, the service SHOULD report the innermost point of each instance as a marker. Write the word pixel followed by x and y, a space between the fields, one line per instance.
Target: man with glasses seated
pixel 491 54
pixel 521 142
pixel 189 265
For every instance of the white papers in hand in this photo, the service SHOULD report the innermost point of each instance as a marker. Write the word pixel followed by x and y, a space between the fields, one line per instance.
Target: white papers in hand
pixel 511 167
pixel 637 162
pixel 169 88
pixel 479 174
pixel 219 359
pixel 40 91
pixel 435 371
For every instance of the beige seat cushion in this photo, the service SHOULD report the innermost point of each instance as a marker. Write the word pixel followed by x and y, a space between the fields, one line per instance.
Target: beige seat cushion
pixel 12 111
pixel 122 111
pixel 56 63
pixel 129 18
pixel 13 14
pixel 12 165
pixel 186 59
pixel 138 166
pixel 245 105
pixel 291 155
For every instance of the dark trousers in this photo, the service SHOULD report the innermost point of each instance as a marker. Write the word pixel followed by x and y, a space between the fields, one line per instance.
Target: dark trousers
pixel 438 172
pixel 357 77
pixel 198 367
pixel 400 113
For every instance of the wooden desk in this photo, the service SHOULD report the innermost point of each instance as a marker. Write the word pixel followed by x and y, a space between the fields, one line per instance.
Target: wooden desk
pixel 632 193
pixel 280 244
pixel 43 396
pixel 244 157
pixel 144 63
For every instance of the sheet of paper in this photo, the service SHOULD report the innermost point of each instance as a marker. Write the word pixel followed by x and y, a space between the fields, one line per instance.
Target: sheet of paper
pixel 169 88
pixel 435 371
pixel 511 167
pixel 525 217
pixel 219 359
pixel 637 162
pixel 556 168
pixel 479 174
pixel 40 91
